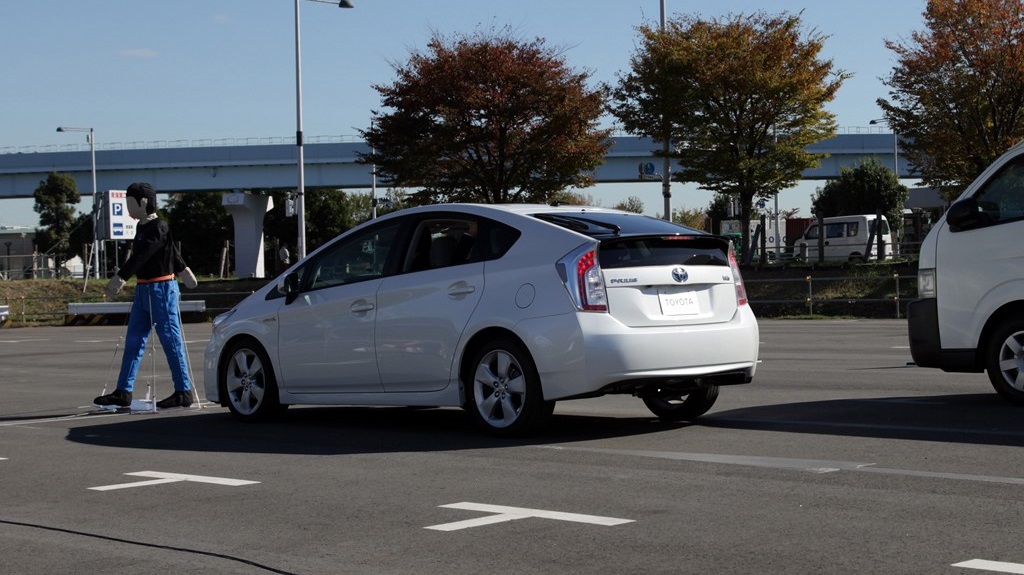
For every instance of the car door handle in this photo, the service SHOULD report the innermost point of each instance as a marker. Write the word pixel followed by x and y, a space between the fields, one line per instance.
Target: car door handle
pixel 361 307
pixel 461 289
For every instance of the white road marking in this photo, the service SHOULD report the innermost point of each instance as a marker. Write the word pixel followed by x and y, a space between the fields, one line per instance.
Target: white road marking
pixel 812 465
pixel 996 566
pixel 21 340
pixel 502 514
pixel 160 478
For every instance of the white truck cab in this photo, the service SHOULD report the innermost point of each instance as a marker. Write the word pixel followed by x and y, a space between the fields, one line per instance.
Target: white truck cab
pixel 970 313
pixel 846 238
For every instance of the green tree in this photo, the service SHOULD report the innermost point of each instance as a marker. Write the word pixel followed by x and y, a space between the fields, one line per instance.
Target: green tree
pixel 692 217
pixel 865 189
pixel 631 204
pixel 718 211
pixel 329 212
pixel 488 119
pixel 957 91
pixel 200 224
pixel 54 200
pixel 744 96
pixel 80 238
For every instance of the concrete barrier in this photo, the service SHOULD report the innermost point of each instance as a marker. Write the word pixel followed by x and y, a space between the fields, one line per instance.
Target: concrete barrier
pixel 96 313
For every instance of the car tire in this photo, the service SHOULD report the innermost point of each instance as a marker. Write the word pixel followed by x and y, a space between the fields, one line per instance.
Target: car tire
pixel 248 384
pixel 1004 360
pixel 682 407
pixel 503 390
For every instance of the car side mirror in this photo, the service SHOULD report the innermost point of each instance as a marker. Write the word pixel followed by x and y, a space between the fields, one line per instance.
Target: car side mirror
pixel 966 215
pixel 289 286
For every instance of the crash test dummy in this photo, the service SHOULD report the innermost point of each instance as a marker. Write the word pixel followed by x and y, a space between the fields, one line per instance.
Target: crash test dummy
pixel 156 263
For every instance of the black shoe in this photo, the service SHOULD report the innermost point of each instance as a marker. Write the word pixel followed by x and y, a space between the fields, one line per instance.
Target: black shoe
pixel 177 399
pixel 119 398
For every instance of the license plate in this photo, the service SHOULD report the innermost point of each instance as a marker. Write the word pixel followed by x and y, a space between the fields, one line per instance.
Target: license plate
pixel 678 303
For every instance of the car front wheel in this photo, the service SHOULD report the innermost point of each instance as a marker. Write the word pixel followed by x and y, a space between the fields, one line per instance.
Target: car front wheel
pixel 247 380
pixel 1004 360
pixel 682 407
pixel 503 390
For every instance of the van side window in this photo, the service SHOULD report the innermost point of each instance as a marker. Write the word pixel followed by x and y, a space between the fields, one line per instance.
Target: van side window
pixel 852 229
pixel 835 230
pixel 1002 197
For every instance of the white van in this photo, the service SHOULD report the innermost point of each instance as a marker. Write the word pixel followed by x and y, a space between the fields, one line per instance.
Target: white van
pixel 847 238
pixel 970 315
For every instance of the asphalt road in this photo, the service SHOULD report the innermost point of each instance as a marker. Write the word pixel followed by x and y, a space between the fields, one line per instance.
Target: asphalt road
pixel 839 458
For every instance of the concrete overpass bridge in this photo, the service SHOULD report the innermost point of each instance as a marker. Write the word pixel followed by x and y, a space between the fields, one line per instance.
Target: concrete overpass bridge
pixel 263 165
pixel 255 164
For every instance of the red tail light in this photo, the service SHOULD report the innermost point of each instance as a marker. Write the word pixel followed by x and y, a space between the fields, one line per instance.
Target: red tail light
pixel 591 283
pixel 737 278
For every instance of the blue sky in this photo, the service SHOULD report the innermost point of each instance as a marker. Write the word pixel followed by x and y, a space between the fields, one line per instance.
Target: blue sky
pixel 148 70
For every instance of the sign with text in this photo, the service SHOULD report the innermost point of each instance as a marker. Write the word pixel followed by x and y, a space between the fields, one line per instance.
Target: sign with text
pixel 114 223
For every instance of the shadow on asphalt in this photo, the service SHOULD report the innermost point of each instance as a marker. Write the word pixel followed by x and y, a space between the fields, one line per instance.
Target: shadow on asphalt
pixel 343 430
pixel 982 419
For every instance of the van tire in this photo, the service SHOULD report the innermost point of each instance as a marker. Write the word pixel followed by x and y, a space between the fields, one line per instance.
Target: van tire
pixel 1004 360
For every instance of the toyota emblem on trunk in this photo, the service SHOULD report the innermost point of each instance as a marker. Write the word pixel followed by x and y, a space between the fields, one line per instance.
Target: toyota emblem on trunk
pixel 680 275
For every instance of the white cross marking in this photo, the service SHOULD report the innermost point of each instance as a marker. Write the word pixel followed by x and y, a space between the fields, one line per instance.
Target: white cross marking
pixel 160 478
pixel 502 514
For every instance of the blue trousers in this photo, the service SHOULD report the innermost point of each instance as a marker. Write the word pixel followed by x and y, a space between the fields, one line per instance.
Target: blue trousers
pixel 155 307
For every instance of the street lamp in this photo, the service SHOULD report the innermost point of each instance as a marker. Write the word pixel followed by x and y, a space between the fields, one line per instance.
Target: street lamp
pixel 300 201
pixel 895 145
pixel 666 169
pixel 95 204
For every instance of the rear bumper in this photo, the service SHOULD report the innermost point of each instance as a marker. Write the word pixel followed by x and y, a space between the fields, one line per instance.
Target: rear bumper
pixel 604 356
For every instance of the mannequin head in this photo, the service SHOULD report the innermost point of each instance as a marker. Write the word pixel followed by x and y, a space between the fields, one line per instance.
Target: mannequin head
pixel 140 199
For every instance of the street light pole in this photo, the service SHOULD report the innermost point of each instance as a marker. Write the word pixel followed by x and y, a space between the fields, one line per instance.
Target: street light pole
pixel 95 203
pixel 300 192
pixel 666 168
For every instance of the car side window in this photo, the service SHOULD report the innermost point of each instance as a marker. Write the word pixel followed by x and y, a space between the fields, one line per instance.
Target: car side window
pixel 1002 197
pixel 359 257
pixel 455 240
pixel 443 242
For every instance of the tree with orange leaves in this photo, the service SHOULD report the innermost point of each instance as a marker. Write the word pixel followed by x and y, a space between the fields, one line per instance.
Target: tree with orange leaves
pixel 957 92
pixel 487 119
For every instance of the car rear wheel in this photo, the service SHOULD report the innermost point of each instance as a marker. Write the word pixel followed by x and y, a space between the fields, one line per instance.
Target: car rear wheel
pixel 682 407
pixel 503 390
pixel 1004 360
pixel 247 380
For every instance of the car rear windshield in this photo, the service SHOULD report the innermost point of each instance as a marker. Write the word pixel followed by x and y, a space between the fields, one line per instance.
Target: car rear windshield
pixel 604 224
pixel 702 250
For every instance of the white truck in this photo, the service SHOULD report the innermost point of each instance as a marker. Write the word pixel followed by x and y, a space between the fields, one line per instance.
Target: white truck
pixel 970 313
pixel 846 238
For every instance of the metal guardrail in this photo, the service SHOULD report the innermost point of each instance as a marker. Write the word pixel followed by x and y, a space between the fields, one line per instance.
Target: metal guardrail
pixel 898 290
pixel 29 310
pixel 901 290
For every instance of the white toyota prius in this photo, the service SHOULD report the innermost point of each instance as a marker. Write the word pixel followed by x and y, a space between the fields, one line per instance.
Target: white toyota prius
pixel 500 309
